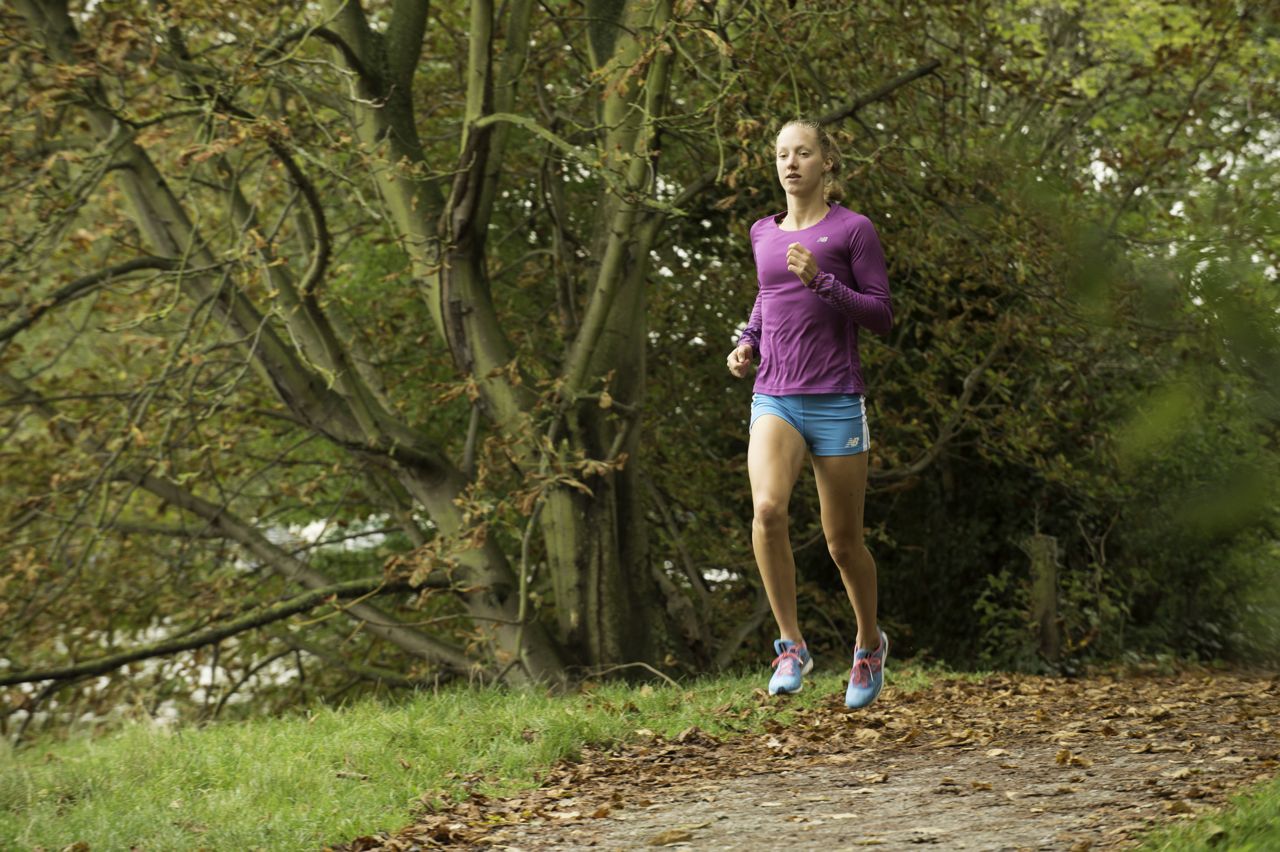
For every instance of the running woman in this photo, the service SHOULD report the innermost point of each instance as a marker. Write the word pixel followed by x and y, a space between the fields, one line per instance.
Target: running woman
pixel 822 277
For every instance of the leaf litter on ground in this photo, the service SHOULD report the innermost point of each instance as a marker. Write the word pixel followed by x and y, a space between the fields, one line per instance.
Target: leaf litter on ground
pixel 1121 753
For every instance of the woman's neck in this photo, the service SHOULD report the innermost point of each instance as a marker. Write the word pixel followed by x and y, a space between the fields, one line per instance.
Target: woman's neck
pixel 804 212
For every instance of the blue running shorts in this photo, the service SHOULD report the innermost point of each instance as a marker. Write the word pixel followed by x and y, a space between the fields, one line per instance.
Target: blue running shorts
pixel 832 424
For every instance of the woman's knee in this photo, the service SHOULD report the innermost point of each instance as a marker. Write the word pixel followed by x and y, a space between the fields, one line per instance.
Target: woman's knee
pixel 770 514
pixel 847 551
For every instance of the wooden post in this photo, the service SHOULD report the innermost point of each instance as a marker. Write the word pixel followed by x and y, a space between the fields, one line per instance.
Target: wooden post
pixel 1043 552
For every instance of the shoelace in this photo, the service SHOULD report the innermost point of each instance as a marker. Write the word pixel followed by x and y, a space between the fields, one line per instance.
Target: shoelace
pixel 789 658
pixel 864 668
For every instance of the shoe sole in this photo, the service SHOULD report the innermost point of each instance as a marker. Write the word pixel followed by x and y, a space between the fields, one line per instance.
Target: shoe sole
pixel 808 667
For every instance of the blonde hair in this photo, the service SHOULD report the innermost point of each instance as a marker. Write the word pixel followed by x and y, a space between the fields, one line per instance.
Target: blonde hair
pixel 832 186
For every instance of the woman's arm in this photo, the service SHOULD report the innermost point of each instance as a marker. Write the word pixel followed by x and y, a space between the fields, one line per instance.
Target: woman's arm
pixel 751 334
pixel 869 305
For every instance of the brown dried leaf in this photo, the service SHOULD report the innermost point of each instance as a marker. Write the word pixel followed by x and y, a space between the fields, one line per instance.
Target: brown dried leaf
pixel 675 835
pixel 998 710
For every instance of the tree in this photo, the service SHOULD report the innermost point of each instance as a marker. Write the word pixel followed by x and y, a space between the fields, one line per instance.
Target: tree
pixel 202 228
pixel 402 269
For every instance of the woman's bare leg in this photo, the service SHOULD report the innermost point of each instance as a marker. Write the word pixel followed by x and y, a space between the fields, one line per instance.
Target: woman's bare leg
pixel 774 457
pixel 842 488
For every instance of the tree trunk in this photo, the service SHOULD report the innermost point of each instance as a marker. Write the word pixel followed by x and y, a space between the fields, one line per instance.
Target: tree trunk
pixel 597 562
pixel 606 598
pixel 492 596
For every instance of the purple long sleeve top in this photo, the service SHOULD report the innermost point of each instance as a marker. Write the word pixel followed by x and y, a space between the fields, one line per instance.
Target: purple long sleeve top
pixel 807 337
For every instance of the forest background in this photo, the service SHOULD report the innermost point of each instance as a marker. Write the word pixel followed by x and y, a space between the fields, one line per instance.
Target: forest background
pixel 355 347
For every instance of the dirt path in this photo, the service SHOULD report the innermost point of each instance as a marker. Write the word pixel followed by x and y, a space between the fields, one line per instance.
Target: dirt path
pixel 1008 763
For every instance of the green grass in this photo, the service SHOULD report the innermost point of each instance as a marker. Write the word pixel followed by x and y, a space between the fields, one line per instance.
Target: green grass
pixel 1250 824
pixel 279 784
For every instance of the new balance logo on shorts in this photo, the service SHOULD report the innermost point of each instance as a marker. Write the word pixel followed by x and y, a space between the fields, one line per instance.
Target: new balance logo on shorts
pixel 823 239
pixel 853 442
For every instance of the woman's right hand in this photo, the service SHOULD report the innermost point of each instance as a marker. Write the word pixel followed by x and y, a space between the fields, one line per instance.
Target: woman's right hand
pixel 740 360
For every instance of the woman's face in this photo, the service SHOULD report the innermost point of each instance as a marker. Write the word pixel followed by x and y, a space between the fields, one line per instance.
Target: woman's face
pixel 800 163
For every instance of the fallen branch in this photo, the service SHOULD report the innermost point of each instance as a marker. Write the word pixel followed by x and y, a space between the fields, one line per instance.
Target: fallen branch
pixel 608 669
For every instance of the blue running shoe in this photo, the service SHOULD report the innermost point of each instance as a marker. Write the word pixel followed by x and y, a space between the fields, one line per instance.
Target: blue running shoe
pixel 789 667
pixel 866 678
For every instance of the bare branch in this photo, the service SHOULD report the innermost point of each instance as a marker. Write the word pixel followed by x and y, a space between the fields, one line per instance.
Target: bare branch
pixel 319 226
pixel 275 558
pixel 301 603
pixel 503 99
pixel 881 93
pixel 165 530
pixel 349 54
pixel 695 577
pixel 620 185
pixel 80 287
pixel 951 427
pixel 708 178
pixel 205 72
pixel 287 565
pixel 729 647
pixel 377 674
pixel 354 40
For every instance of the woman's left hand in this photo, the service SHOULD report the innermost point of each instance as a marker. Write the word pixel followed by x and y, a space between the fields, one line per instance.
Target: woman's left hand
pixel 801 262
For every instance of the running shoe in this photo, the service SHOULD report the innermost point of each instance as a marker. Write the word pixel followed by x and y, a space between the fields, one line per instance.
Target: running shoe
pixel 866 678
pixel 789 667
